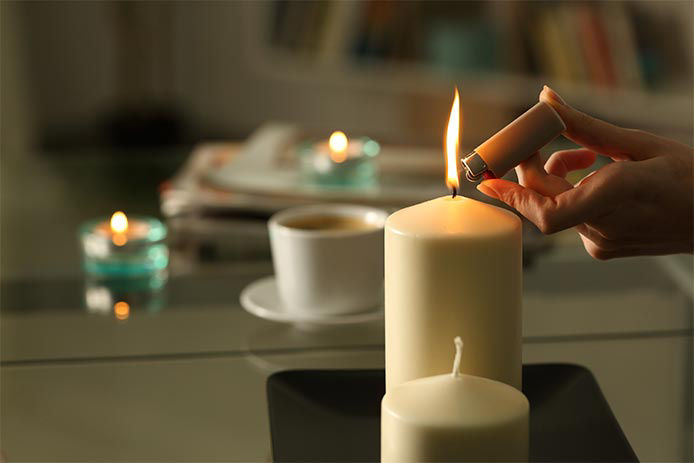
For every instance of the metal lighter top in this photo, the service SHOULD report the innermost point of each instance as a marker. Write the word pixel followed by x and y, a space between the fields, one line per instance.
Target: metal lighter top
pixel 514 143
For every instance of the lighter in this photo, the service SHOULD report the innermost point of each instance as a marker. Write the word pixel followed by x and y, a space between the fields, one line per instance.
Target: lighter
pixel 514 143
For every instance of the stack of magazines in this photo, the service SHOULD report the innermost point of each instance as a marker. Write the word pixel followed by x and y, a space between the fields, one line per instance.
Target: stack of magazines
pixel 218 203
pixel 262 176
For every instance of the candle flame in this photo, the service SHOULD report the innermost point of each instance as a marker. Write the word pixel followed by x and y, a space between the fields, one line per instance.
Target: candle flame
pixel 338 143
pixel 452 137
pixel 119 222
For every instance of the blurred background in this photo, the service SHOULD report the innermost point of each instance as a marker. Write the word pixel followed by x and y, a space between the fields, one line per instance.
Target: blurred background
pixel 144 107
pixel 82 80
pixel 134 73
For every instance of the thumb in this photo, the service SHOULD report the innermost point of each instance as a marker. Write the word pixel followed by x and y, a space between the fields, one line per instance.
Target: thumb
pixel 549 214
pixel 600 136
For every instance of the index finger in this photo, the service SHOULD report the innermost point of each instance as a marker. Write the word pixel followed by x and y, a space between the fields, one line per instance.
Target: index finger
pixel 550 214
pixel 600 136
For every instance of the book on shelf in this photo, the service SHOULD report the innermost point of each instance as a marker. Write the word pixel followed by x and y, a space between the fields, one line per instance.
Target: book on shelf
pixel 594 46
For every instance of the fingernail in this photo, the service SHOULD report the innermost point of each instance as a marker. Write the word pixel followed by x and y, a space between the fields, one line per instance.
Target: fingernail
pixel 552 95
pixel 484 189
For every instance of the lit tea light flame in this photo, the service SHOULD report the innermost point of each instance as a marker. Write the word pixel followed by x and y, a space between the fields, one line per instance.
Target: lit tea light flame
pixel 119 228
pixel 338 146
pixel 121 310
pixel 452 138
pixel 119 222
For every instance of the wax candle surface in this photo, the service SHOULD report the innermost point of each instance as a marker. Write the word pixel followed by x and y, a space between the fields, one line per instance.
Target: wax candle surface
pixel 453 266
pixel 454 418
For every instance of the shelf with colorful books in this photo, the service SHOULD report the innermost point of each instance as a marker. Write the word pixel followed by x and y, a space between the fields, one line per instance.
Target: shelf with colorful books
pixel 628 62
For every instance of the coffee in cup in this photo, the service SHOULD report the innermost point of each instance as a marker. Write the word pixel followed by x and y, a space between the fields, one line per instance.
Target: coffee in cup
pixel 329 222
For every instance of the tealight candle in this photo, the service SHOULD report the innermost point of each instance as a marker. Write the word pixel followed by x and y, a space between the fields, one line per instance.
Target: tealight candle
pixel 454 417
pixel 340 161
pixel 122 247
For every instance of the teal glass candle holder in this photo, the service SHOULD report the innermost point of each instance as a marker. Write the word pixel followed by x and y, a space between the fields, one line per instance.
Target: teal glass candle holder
pixel 352 165
pixel 136 250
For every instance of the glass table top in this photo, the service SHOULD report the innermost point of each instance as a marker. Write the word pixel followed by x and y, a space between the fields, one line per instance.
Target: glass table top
pixel 182 376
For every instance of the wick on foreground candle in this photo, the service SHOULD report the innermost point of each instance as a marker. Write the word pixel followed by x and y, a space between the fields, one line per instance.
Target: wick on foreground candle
pixel 454 417
pixel 453 266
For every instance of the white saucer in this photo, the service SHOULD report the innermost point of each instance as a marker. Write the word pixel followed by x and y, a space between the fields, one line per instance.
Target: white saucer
pixel 262 299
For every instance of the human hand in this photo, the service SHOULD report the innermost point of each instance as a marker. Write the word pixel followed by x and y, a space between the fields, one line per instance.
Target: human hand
pixel 641 205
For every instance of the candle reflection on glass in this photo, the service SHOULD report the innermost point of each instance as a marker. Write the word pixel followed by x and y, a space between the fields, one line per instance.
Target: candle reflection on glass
pixel 121 310
pixel 120 297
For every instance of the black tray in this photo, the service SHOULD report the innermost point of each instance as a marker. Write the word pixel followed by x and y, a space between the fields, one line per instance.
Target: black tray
pixel 334 415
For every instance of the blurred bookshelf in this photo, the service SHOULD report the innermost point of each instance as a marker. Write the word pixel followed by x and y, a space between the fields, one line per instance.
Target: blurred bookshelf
pixel 628 62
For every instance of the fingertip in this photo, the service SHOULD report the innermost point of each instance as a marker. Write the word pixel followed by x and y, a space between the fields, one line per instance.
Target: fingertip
pixel 543 94
pixel 487 190
pixel 497 184
pixel 498 188
pixel 550 96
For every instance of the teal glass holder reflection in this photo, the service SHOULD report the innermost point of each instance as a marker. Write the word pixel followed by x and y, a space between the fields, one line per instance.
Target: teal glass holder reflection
pixel 141 250
pixel 122 296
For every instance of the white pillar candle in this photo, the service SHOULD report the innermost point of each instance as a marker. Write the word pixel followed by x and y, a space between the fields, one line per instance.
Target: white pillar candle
pixel 453 266
pixel 454 417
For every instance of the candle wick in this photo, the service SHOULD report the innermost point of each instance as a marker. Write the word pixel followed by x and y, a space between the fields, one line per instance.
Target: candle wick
pixel 458 356
pixel 455 192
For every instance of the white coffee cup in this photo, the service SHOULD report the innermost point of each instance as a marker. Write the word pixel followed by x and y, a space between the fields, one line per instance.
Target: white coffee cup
pixel 325 261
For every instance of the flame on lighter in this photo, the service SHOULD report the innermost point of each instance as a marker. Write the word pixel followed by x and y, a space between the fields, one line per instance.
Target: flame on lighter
pixel 514 143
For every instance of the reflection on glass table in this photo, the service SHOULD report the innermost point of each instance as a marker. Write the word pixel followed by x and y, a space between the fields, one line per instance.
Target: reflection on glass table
pixel 103 295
